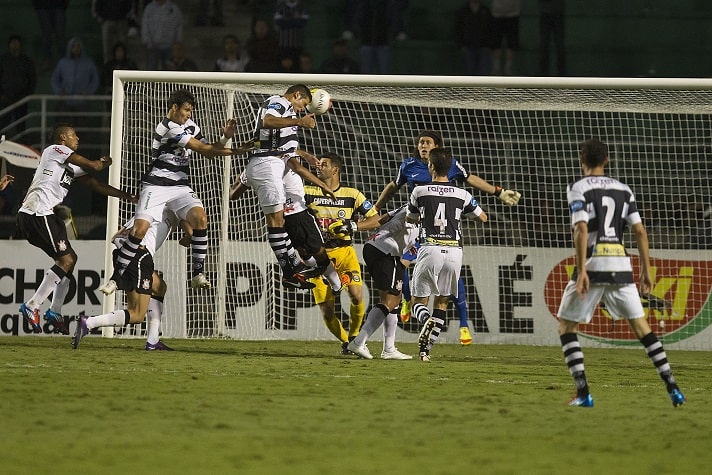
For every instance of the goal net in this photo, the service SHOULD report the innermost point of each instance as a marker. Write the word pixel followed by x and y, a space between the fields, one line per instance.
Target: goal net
pixel 518 133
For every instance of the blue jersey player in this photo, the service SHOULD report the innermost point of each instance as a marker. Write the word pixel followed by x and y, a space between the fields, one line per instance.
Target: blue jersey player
pixel 414 171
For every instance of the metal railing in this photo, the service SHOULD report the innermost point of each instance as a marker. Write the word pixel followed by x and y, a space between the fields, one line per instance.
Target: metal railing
pixel 92 120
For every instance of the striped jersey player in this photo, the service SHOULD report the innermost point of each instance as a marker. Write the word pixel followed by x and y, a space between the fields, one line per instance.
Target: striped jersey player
pixel 438 206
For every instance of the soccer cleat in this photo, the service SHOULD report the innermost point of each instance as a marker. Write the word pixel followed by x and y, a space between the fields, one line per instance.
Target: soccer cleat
pixel 298 281
pixel 582 401
pixel 405 311
pixel 32 316
pixel 82 331
pixel 57 320
pixel 308 272
pixel 109 287
pixel 465 337
pixel 424 356
pixel 677 398
pixel 345 349
pixel 424 337
pixel 199 281
pixel 361 351
pixel 394 354
pixel 159 345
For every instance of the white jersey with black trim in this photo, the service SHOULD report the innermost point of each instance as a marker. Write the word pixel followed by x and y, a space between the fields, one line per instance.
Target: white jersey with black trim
pixel 170 159
pixel 607 206
pixel 440 206
pixel 395 235
pixel 51 181
pixel 156 235
pixel 274 142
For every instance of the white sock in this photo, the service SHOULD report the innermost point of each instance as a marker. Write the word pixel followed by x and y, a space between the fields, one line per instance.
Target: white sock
pixel 310 261
pixel 373 321
pixel 47 286
pixel 332 276
pixel 153 320
pixel 59 294
pixel 389 332
pixel 115 318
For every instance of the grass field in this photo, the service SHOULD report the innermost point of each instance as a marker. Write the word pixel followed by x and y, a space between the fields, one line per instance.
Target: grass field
pixel 285 407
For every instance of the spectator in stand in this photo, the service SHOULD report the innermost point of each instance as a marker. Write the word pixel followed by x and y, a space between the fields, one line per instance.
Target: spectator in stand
pixel 551 27
pixel 234 59
pixel 75 74
pixel 375 22
pixel 6 198
pixel 306 63
pixel 204 17
pixel 52 16
pixel 287 65
pixel 291 20
pixel 262 49
pixel 119 60
pixel 18 79
pixel 178 60
pixel 340 62
pixel 473 30
pixel 505 31
pixel 162 26
pixel 114 18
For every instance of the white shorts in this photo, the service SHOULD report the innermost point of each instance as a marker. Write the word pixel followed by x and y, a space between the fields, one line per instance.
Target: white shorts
pixel 264 176
pixel 621 301
pixel 436 271
pixel 153 199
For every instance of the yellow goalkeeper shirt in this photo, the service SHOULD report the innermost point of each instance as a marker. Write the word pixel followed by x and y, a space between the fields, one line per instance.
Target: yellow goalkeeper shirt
pixel 350 203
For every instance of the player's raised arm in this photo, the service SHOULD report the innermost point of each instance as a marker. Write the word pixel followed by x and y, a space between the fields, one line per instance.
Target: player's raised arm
pixel 508 197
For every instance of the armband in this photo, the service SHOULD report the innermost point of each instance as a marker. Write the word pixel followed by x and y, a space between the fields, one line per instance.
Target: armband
pixel 223 140
pixel 497 191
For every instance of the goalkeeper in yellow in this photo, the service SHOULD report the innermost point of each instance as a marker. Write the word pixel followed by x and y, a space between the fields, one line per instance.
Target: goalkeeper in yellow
pixel 338 222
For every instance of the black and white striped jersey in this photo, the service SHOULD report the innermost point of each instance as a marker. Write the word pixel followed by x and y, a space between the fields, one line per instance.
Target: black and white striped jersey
pixel 607 206
pixel 170 164
pixel 274 142
pixel 51 181
pixel 440 207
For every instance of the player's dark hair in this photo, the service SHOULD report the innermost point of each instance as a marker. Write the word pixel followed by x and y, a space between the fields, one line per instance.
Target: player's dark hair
pixel 59 129
pixel 180 97
pixel 301 88
pixel 336 159
pixel 441 160
pixel 593 153
pixel 437 138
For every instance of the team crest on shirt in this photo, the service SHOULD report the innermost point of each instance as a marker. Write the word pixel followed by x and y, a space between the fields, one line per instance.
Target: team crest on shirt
pixel 146 284
pixel 62 245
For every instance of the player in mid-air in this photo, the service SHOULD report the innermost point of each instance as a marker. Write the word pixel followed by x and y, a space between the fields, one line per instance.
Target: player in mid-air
pixel 59 167
pixel 337 219
pixel 382 254
pixel 276 140
pixel 145 288
pixel 438 207
pixel 601 208
pixel 166 182
pixel 414 171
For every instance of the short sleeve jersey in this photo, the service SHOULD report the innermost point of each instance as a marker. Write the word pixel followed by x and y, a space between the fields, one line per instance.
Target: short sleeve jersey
pixel 395 235
pixel 170 159
pixel 607 206
pixel 51 181
pixel 274 142
pixel 349 202
pixel 414 172
pixel 440 207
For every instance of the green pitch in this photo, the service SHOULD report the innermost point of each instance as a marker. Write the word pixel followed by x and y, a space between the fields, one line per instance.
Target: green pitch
pixel 219 407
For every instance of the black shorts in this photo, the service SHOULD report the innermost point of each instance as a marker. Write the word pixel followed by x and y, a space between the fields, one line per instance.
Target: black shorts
pixel 304 232
pixel 49 233
pixel 387 271
pixel 505 28
pixel 138 275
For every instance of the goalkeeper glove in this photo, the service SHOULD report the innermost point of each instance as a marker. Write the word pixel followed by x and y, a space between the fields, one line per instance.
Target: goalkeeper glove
pixel 508 197
pixel 343 229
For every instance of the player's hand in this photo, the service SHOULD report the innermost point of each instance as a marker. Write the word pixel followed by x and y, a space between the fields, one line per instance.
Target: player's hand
pixel 308 121
pixel 509 197
pixel 230 128
pixel 185 240
pixel 6 180
pixel 343 229
pixel 105 160
pixel 245 147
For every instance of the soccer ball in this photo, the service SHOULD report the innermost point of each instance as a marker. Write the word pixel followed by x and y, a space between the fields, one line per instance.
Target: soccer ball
pixel 321 102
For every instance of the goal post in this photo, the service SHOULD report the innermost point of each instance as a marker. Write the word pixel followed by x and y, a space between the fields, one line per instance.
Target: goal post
pixel 516 132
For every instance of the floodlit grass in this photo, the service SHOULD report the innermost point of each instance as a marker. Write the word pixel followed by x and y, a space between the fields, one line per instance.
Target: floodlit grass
pixel 283 407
